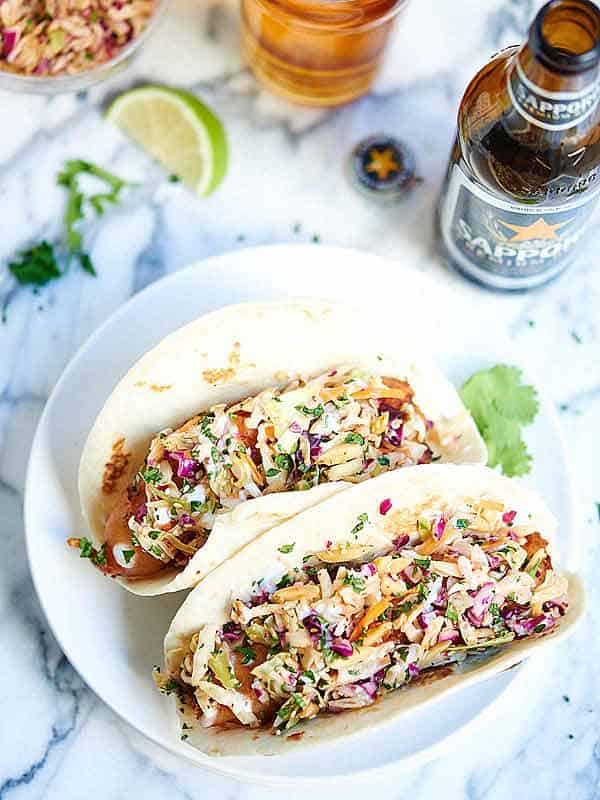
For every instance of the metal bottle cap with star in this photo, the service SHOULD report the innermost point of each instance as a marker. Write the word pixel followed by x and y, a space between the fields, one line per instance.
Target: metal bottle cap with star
pixel 382 167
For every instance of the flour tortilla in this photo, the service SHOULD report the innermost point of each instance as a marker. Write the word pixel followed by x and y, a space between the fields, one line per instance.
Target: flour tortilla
pixel 409 489
pixel 237 352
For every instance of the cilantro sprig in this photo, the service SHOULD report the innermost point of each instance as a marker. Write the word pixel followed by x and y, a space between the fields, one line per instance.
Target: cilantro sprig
pixel 44 261
pixel 77 199
pixel 502 406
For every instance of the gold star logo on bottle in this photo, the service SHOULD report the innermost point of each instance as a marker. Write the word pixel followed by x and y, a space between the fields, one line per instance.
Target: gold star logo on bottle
pixel 537 230
pixel 382 163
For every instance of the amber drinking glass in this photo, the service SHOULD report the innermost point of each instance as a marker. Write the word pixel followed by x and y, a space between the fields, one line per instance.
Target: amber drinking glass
pixel 317 52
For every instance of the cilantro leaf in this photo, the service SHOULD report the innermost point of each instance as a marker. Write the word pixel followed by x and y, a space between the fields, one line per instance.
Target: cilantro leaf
pixel 354 438
pixel 150 474
pixel 37 265
pixel 501 406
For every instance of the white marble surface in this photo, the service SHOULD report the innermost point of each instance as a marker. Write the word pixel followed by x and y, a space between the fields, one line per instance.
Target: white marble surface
pixel 57 740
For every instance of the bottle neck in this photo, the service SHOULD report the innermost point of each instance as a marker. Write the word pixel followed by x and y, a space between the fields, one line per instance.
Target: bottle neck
pixel 534 72
pixel 549 100
pixel 553 81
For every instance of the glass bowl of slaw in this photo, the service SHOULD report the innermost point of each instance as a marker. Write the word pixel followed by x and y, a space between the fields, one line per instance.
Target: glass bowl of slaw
pixel 58 46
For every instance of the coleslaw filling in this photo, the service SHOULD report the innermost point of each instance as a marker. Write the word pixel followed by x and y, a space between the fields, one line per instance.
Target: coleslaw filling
pixel 351 625
pixel 345 425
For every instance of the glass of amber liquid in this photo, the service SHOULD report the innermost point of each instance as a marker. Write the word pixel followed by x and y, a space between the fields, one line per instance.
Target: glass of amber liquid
pixel 317 52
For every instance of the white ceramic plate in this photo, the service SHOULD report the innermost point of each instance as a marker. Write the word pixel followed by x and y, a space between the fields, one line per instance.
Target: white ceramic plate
pixel 113 638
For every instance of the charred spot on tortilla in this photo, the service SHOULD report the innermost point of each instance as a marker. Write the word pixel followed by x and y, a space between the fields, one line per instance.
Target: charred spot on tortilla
pixel 154 387
pixel 115 466
pixel 216 376
pixel 224 374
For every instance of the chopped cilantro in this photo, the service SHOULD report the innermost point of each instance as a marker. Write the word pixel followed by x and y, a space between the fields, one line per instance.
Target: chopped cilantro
pixel 154 534
pixel 128 555
pixel 354 438
pixel 174 179
pixel 308 675
pixel 215 455
pixel 249 655
pixel 462 523
pixel 422 593
pixel 576 337
pixel 205 430
pixel 151 475
pixel 37 265
pixel 284 581
pixel 155 549
pixel 86 548
pixel 197 506
pixel 424 563
pixel 402 653
pixel 362 519
pixel 501 406
pixel 539 628
pixel 598 511
pixel 451 613
pixel 384 461
pixel 100 558
pixel 358 584
pixel 286 548
pixel 270 473
pixel 315 412
pixel 283 461
pixel 170 686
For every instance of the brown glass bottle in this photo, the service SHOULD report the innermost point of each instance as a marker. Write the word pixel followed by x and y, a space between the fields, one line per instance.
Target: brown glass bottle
pixel 524 172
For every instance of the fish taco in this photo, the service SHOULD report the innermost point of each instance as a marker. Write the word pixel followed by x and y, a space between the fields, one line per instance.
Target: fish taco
pixel 390 596
pixel 246 417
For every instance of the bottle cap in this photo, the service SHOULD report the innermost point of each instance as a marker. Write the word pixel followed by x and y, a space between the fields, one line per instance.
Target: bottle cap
pixel 382 168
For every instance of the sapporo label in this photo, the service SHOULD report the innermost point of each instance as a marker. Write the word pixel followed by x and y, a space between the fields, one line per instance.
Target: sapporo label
pixel 506 244
pixel 553 111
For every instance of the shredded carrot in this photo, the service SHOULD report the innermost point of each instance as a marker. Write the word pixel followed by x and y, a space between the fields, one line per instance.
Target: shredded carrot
pixel 332 393
pixel 431 544
pixel 372 392
pixel 369 616
pixel 73 542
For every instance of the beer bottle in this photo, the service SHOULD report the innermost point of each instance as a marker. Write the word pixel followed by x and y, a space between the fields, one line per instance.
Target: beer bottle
pixel 524 172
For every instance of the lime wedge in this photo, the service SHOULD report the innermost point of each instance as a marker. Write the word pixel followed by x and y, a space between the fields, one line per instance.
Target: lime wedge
pixel 179 131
